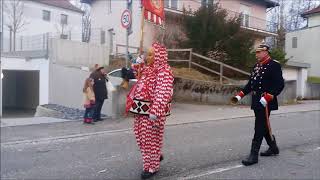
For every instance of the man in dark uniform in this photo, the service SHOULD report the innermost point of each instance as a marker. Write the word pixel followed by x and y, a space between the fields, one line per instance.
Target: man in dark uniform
pixel 265 84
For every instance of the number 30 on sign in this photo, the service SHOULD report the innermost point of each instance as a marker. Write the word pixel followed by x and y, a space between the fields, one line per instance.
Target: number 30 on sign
pixel 126 19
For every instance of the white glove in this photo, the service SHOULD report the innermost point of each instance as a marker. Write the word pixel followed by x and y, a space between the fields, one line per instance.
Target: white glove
pixel 238 97
pixel 263 101
pixel 152 117
pixel 139 59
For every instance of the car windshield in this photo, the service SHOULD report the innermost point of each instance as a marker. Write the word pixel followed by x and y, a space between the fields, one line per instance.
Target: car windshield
pixel 115 73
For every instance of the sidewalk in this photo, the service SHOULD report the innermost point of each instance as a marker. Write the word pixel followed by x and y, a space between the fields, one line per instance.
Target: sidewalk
pixel 6 122
pixel 183 113
pixel 187 113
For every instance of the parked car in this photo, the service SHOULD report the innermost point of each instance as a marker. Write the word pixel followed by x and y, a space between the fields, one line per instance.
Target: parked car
pixel 115 77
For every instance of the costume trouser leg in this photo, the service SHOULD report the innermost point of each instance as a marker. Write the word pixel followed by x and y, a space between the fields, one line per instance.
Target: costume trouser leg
pixel 137 129
pixel 157 139
pixel 150 137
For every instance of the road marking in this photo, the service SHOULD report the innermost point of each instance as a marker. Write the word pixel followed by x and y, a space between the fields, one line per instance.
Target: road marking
pixel 212 172
pixel 318 148
pixel 103 171
pixel 34 141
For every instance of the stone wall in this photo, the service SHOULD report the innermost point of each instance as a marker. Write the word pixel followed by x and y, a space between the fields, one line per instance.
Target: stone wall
pixel 312 91
pixel 212 93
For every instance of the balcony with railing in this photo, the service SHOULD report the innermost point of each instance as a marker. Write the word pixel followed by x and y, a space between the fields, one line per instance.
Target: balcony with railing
pixel 251 23
pixel 255 24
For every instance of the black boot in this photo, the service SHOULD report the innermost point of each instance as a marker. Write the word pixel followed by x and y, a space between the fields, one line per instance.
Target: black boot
pixel 272 150
pixel 254 154
pixel 147 175
pixel 161 157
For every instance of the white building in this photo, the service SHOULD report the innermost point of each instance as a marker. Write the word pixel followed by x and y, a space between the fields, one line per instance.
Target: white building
pixel 106 15
pixel 25 64
pixel 41 16
pixel 303 45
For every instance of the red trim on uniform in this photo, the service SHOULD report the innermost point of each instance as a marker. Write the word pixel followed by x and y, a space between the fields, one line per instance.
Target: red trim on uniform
pixel 241 94
pixel 265 60
pixel 268 97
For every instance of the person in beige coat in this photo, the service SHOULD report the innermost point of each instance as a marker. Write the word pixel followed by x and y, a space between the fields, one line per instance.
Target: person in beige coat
pixel 88 101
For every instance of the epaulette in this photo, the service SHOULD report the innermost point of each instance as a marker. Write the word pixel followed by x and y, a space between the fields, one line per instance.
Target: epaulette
pixel 276 61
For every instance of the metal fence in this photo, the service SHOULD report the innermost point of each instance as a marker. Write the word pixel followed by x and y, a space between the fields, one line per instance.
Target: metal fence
pixel 40 41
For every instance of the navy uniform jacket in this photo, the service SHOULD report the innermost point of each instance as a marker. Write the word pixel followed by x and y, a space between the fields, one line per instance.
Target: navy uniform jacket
pixel 265 78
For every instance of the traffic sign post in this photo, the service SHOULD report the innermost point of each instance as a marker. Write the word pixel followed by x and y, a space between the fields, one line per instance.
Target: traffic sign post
pixel 126 21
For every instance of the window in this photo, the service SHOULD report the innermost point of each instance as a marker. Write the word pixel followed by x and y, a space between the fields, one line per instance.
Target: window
pixel 46 15
pixel 173 4
pixel 245 14
pixel 64 19
pixel 166 3
pixel 206 2
pixel 244 20
pixel 294 42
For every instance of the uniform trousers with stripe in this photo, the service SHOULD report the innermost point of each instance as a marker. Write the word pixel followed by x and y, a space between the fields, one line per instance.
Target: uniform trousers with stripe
pixel 261 129
pixel 149 136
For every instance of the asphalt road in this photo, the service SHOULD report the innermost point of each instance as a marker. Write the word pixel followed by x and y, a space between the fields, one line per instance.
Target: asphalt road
pixel 207 150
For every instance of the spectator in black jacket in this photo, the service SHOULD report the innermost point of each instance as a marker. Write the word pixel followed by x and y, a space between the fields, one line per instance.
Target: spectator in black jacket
pixel 100 90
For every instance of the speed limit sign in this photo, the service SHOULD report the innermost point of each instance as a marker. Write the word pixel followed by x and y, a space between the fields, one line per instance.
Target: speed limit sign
pixel 126 19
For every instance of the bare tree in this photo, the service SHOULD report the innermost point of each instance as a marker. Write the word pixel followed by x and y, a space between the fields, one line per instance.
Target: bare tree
pixel 288 17
pixel 15 20
pixel 293 14
pixel 86 20
pixel 86 23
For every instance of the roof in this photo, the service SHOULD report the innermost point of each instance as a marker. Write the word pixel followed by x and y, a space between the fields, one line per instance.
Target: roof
pixel 86 1
pixel 310 12
pixel 298 64
pixel 270 3
pixel 65 4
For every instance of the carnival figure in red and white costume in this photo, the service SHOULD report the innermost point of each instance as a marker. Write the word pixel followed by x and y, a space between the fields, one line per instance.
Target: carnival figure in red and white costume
pixel 151 103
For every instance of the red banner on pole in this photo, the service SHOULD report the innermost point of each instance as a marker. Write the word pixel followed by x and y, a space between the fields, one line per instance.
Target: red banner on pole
pixel 154 11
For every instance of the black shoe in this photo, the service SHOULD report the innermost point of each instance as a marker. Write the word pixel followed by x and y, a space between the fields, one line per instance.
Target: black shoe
pixel 252 159
pixel 273 149
pixel 146 174
pixel 161 157
pixel 254 154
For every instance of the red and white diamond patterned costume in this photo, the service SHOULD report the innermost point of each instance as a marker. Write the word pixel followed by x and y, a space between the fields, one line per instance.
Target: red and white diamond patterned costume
pixel 156 87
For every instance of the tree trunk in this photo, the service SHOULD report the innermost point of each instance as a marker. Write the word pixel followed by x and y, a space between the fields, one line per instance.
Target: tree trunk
pixel 14 40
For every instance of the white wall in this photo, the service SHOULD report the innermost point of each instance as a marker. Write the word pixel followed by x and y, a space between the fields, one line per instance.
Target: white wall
pixel 36 25
pixel 302 83
pixel 314 20
pixel 104 20
pixel 66 85
pixel 290 73
pixel 78 53
pixel 298 74
pixel 41 65
pixel 307 50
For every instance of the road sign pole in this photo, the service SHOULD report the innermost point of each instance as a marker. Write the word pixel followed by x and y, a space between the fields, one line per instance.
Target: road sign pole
pixel 129 7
